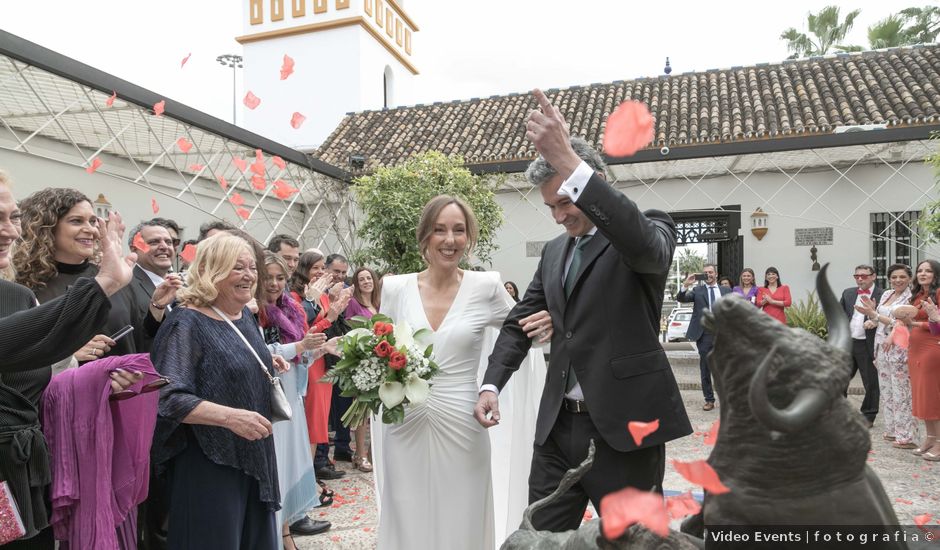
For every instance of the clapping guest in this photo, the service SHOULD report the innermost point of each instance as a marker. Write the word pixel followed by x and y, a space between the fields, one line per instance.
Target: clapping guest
pixel 513 290
pixel 285 329
pixel 747 289
pixel 212 436
pixel 774 297
pixel 365 302
pixel 59 244
pixel 923 356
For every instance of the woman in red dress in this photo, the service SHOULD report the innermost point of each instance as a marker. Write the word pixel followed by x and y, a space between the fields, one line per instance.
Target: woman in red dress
pixel 923 359
pixel 774 297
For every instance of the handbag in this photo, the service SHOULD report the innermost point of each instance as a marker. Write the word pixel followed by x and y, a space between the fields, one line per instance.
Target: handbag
pixel 11 524
pixel 280 406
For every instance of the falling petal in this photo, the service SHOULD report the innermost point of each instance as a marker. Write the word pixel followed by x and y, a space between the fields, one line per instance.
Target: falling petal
pixel 296 120
pixel 236 199
pixel 287 68
pixel 682 505
pixel 639 430
pixel 712 436
pixel 223 183
pixel 95 164
pixel 159 107
pixel 185 59
pixel 283 190
pixel 188 254
pixel 279 162
pixel 251 101
pixel 110 101
pixel 196 167
pixel 629 129
pixel 243 213
pixel 258 183
pixel 627 506
pixel 184 144
pixel 701 473
pixel 154 206
pixel 241 163
pixel 140 244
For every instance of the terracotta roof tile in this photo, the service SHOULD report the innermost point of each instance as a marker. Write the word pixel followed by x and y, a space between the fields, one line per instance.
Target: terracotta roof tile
pixel 766 101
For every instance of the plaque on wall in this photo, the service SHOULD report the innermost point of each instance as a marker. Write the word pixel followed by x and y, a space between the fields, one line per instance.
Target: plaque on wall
pixel 809 236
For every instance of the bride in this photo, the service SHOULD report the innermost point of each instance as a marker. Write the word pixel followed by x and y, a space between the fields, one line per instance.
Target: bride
pixel 433 471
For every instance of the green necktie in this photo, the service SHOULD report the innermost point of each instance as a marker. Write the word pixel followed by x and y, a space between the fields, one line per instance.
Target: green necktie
pixel 570 278
pixel 572 275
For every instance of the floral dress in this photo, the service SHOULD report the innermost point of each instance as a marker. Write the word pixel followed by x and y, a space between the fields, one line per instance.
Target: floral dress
pixel 893 378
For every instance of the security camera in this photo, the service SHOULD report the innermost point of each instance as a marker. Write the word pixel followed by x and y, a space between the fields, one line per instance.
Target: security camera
pixel 664 151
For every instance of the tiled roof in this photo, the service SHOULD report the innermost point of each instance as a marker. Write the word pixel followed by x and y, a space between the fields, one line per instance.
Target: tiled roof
pixel 898 86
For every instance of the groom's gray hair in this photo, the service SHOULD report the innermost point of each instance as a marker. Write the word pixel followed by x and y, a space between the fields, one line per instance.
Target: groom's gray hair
pixel 540 171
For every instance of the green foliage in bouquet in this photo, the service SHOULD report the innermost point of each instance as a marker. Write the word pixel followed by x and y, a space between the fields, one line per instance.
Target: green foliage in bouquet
pixel 383 367
pixel 808 315
pixel 392 199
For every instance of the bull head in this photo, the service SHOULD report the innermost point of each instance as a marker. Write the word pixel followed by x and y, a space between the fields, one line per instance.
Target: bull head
pixel 809 402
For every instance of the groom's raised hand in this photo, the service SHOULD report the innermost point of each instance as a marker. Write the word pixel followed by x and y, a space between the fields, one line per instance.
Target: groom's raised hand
pixel 487 403
pixel 548 131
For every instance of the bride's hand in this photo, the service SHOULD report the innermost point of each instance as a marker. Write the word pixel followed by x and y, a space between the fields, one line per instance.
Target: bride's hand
pixel 487 403
pixel 538 326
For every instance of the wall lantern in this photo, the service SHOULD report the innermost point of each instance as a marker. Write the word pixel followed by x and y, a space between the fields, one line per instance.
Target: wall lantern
pixel 102 206
pixel 759 223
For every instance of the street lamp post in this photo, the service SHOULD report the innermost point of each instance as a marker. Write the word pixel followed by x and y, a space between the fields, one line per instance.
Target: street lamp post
pixel 235 62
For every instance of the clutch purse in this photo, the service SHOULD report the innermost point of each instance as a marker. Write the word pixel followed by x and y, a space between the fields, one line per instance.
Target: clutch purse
pixel 280 406
pixel 11 524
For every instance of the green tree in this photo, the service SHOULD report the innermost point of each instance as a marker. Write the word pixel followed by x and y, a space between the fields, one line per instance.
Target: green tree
pixel 930 218
pixel 887 33
pixel 825 32
pixel 924 24
pixel 690 261
pixel 392 199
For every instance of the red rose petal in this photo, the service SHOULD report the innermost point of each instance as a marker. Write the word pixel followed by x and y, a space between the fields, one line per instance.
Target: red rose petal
pixel 283 190
pixel 701 473
pixel 95 164
pixel 154 206
pixel 921 519
pixel 712 436
pixel 682 505
pixel 251 101
pixel 110 101
pixel 159 107
pixel 241 163
pixel 223 183
pixel 903 501
pixel 366 529
pixel 629 129
pixel 335 538
pixel 140 244
pixel 627 506
pixel 279 162
pixel 287 68
pixel 188 253
pixel 196 167
pixel 184 144
pixel 639 430
pixel 258 183
pixel 243 213
pixel 588 515
pixel 236 199
pixel 185 59
pixel 296 120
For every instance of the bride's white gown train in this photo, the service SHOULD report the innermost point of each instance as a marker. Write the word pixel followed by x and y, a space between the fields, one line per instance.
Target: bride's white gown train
pixel 433 471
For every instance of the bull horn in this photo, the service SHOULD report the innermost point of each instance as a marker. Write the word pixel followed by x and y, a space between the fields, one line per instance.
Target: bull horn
pixel 804 409
pixel 839 335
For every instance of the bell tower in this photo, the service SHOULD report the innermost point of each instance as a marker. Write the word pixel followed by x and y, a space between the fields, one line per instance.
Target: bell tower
pixel 349 55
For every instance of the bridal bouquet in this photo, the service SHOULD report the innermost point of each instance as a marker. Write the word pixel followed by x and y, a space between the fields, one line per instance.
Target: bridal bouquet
pixel 382 365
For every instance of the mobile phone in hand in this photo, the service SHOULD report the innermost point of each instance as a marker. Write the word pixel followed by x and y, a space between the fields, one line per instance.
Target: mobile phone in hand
pixel 699 276
pixel 122 333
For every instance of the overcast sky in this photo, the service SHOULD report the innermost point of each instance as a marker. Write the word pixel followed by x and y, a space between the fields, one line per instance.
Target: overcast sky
pixel 464 49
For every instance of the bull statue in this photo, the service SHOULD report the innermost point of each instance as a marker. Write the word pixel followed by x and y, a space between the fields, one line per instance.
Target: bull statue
pixel 790 447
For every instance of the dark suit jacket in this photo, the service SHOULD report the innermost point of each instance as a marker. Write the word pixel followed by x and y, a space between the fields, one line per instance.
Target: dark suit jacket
pixel 847 300
pixel 699 296
pixel 608 330
pixel 142 288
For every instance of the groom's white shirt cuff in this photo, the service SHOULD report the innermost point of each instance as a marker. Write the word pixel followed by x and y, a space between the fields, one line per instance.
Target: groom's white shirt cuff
pixel 576 182
pixel 489 387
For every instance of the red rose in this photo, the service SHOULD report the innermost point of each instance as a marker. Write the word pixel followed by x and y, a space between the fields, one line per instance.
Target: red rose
pixel 381 329
pixel 398 360
pixel 383 349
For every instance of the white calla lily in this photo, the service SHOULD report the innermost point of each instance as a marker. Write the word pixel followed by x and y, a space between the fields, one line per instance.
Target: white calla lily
pixel 417 389
pixel 358 332
pixel 403 335
pixel 392 394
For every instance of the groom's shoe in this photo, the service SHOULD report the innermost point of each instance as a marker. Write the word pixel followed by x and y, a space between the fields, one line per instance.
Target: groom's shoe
pixel 329 472
pixel 307 526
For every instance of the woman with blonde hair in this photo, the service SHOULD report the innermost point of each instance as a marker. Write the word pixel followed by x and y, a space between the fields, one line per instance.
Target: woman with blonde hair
pixel 214 422
pixel 365 301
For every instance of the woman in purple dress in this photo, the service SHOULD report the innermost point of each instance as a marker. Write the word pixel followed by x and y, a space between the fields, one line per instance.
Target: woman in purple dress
pixel 364 303
pixel 747 288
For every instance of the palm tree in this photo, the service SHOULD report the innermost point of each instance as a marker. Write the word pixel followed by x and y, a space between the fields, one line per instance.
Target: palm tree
pixel 827 31
pixel 925 26
pixel 887 33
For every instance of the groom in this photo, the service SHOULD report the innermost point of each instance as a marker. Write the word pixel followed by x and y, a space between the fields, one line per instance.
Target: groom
pixel 602 282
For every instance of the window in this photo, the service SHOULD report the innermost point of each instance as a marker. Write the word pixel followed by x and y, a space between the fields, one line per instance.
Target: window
pixel 388 84
pixel 893 241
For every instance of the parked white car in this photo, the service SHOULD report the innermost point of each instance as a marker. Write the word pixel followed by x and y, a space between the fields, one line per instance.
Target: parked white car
pixel 678 324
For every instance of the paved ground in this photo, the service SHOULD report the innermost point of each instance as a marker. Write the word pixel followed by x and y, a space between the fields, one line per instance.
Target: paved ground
pixel 912 483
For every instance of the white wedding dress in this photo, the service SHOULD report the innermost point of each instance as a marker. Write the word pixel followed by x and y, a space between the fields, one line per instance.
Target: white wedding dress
pixel 433 471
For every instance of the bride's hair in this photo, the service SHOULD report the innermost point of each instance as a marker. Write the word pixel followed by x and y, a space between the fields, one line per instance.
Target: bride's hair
pixel 430 214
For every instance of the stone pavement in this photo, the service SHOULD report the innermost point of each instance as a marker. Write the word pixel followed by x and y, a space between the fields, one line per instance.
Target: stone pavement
pixel 912 484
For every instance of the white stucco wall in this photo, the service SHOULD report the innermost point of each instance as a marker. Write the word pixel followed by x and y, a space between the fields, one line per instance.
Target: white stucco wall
pixel 844 207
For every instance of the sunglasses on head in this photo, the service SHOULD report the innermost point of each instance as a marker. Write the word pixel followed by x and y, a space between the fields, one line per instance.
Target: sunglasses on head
pixel 154 385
